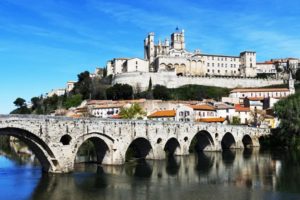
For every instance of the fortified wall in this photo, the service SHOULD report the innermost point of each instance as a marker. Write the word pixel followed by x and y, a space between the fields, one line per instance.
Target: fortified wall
pixel 171 80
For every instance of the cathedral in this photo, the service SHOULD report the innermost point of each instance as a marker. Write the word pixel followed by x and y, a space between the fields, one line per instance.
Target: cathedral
pixel 172 56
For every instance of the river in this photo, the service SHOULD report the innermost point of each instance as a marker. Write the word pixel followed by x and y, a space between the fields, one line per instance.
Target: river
pixel 250 174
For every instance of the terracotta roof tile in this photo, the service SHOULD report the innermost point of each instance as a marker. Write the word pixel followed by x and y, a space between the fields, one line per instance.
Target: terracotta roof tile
pixel 163 113
pixel 202 107
pixel 240 108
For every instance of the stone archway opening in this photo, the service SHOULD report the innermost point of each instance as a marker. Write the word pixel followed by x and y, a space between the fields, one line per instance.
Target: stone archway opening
pixel 65 139
pixel 201 142
pixel 92 150
pixel 247 141
pixel 138 149
pixel 228 141
pixel 171 146
pixel 35 144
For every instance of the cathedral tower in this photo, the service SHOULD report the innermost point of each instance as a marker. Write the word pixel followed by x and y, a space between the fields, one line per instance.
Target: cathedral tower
pixel 177 40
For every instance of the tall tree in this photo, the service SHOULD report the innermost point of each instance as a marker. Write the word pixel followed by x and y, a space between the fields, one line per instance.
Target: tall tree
pixel 19 102
pixel 84 85
pixel 150 85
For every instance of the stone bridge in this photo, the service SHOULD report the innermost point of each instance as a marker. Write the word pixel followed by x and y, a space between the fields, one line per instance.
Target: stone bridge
pixel 56 140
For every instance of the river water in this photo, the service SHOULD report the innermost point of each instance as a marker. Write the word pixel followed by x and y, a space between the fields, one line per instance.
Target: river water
pixel 251 174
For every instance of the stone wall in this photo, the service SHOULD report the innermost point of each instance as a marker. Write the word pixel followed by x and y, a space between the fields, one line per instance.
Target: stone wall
pixel 170 80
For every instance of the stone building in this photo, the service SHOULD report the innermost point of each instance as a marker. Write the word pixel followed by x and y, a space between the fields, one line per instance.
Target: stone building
pixel 173 56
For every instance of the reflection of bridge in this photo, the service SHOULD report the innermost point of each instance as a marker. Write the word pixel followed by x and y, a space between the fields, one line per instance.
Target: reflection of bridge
pixel 56 140
pixel 185 177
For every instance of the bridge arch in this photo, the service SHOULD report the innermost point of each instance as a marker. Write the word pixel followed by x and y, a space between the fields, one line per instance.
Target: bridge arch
pixel 139 148
pixel 40 149
pixel 171 146
pixel 228 141
pixel 101 145
pixel 247 141
pixel 201 141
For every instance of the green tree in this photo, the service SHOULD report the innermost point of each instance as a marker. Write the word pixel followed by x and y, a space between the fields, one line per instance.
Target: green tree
pixel 236 120
pixel 119 91
pixel 150 85
pixel 73 101
pixel 98 89
pixel 20 102
pixel 83 85
pixel 288 111
pixel 161 92
pixel 36 102
pixel 22 107
pixel 135 111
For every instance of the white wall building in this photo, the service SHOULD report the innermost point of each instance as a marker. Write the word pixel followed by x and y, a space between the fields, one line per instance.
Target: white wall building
pixel 58 92
pixel 184 113
pixel 106 111
pixel 266 68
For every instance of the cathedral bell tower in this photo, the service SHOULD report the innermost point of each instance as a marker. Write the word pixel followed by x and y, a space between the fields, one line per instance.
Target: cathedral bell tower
pixel 177 40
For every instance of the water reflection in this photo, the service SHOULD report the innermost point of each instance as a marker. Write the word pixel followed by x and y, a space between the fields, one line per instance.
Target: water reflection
pixel 248 174
pixel 139 168
pixel 173 165
pixel 247 153
pixel 204 162
pixel 228 157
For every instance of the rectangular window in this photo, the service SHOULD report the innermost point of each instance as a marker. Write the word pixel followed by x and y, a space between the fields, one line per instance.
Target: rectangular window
pixel 207 64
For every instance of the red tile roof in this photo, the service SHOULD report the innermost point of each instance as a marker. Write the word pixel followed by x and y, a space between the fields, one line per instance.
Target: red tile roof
pixel 240 108
pixel 163 113
pixel 202 107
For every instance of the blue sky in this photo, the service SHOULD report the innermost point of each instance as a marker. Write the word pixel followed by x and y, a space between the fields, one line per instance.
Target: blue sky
pixel 43 44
